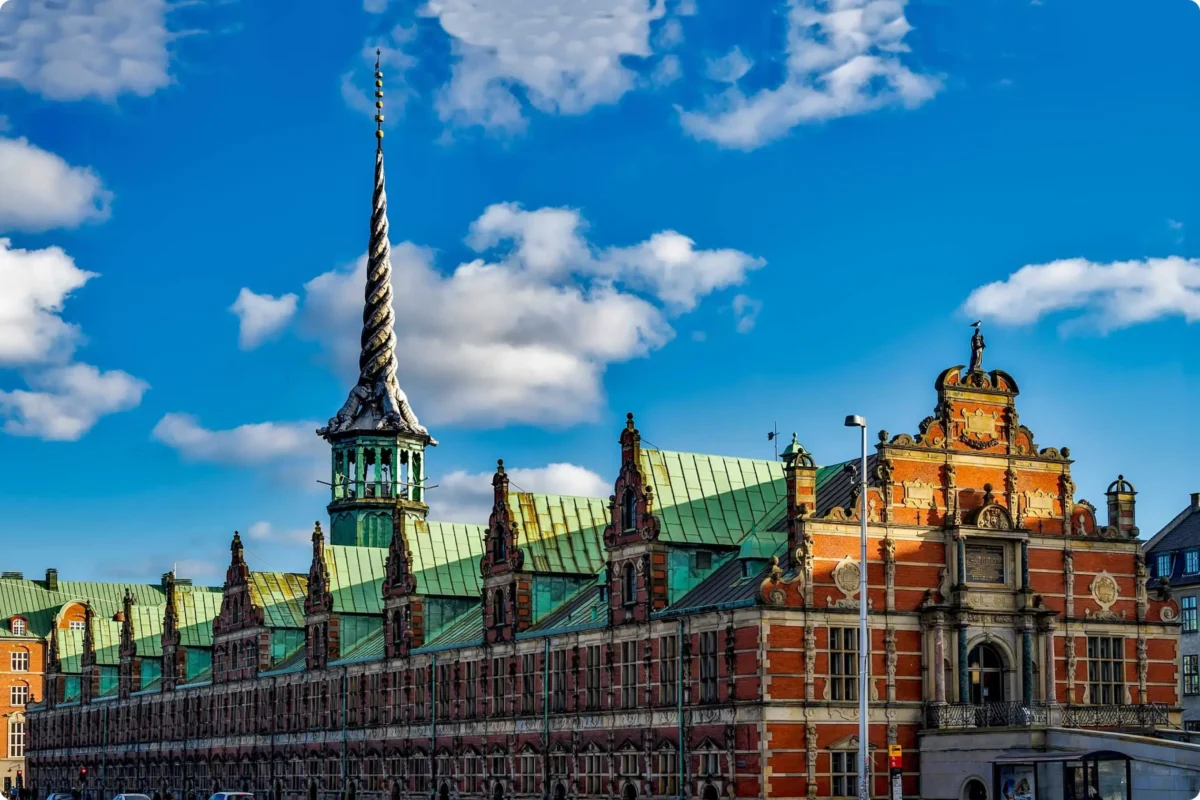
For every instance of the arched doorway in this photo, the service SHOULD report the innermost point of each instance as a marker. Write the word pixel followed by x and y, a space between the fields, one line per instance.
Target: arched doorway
pixel 351 790
pixel 974 789
pixel 629 793
pixel 395 790
pixel 498 791
pixel 986 669
pixel 312 790
pixel 560 792
pixel 710 793
pixel 444 791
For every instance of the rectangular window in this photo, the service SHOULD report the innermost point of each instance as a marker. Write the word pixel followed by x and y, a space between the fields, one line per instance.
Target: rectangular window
pixel 471 768
pixel 19 695
pixel 1106 670
pixel 710 763
pixel 592 677
pixel 1187 615
pixel 1191 562
pixel 419 688
pixel 668 670
pixel 843 663
pixel 1191 674
pixel 667 764
pixel 843 768
pixel 629 675
pixel 442 690
pixel 20 661
pixel 498 681
pixel 708 667
pixel 593 774
pixel 16 738
pixel 558 680
pixel 1163 565
pixel 530 769
pixel 76 625
pixel 528 670
pixel 627 765
pixel 472 679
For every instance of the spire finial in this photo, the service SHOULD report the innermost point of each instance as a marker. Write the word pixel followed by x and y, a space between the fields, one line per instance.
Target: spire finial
pixel 376 402
pixel 378 103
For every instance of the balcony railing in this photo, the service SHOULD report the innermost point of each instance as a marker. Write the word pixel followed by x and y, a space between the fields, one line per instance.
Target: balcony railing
pixel 1019 715
pixel 987 715
pixel 1145 715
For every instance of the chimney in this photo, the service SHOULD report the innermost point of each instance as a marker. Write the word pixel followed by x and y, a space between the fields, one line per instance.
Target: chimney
pixel 1121 505
pixel 800 473
pixel 1195 501
pixel 12 576
pixel 51 579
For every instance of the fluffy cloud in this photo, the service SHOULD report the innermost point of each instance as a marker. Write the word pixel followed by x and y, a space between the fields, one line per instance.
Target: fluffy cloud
pixel 39 190
pixel 36 285
pixel 72 49
pixel 67 401
pixel 467 496
pixel 261 316
pixel 1105 296
pixel 745 312
pixel 265 532
pixel 843 58
pixel 525 334
pixel 256 443
pixel 558 57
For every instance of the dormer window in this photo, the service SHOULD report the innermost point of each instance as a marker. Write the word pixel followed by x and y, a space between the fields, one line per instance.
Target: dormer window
pixel 1191 562
pixel 1163 565
pixel 18 626
pixel 629 510
pixel 628 585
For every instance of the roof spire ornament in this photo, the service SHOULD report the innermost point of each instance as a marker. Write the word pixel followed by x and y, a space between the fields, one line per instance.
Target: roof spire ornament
pixel 977 347
pixel 377 402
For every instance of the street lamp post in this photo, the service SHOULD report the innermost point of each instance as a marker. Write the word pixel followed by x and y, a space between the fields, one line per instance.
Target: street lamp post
pixel 864 658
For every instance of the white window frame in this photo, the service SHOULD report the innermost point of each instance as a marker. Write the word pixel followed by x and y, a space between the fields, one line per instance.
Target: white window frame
pixel 19 661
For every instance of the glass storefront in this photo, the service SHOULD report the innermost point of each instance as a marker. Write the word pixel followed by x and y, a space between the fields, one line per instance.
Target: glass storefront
pixel 1095 776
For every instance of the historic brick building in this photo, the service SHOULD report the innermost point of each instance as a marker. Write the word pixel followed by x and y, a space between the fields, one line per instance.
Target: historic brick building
pixel 693 635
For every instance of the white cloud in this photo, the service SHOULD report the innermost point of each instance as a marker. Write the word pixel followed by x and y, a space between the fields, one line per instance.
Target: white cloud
pixel 265 532
pixel 256 443
pixel 843 58
pixel 1106 296
pixel 67 401
pixel 526 334
pixel 558 57
pixel 260 316
pixel 467 497
pixel 729 68
pixel 72 49
pixel 745 312
pixel 358 82
pixel 39 190
pixel 36 284
pixel 375 6
pixel 1174 224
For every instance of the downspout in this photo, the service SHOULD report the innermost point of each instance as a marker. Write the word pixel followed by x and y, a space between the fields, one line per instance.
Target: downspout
pixel 103 751
pixel 679 702
pixel 345 702
pixel 433 687
pixel 546 720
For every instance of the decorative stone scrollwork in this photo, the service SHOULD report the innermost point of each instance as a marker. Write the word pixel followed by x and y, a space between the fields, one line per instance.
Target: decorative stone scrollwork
pixel 810 661
pixel 810 744
pixel 993 517
pixel 846 578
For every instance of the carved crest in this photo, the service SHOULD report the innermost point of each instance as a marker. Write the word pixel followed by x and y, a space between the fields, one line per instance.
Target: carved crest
pixel 993 517
pixel 1105 590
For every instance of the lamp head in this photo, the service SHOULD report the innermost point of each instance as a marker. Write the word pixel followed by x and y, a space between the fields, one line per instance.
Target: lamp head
pixel 855 421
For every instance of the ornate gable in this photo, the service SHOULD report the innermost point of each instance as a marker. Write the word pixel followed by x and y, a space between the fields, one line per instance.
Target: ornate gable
pixel 319 599
pixel 404 609
pixel 507 608
pixel 636 572
pixel 237 607
pixel 632 503
pixel 502 553
pixel 128 638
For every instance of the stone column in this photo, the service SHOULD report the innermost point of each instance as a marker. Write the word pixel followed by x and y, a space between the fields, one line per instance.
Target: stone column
pixel 962 560
pixel 939 659
pixel 1025 565
pixel 1027 664
pixel 1050 694
pixel 964 676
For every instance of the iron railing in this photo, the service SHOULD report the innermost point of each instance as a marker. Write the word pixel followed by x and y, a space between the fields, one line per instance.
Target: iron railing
pixel 986 715
pixel 1144 715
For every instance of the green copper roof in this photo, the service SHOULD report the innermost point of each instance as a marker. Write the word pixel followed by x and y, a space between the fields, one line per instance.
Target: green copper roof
pixel 38 606
pixel 446 558
pixel 586 608
pixel 195 612
pixel 369 648
pixel 356 578
pixel 467 629
pixel 560 534
pixel 761 545
pixel 147 630
pixel 281 597
pixel 712 500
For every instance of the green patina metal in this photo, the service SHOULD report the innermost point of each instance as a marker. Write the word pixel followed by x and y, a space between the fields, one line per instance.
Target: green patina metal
pixel 199 661
pixel 712 500
pixel 285 643
pixel 150 671
pixel 281 597
pixel 560 534
pixel 72 687
pixel 446 558
pixel 551 591
pixel 355 628
pixel 687 567
pixel 441 612
pixel 371 474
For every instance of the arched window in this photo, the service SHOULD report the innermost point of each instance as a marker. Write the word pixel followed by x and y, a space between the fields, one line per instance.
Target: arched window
pixel 18 626
pixel 499 548
pixel 628 584
pixel 498 608
pixel 629 510
pixel 986 674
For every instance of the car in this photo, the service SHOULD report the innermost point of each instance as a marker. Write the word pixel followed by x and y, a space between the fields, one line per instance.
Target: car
pixel 61 796
pixel 131 797
pixel 230 796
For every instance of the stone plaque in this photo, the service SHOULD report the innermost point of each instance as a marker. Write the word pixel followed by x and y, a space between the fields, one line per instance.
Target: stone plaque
pixel 985 563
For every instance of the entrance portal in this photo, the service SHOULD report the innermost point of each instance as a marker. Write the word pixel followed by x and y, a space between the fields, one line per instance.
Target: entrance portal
pixel 975 790
pixel 987 675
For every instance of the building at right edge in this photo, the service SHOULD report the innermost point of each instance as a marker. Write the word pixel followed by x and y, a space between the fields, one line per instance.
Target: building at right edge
pixel 1174 558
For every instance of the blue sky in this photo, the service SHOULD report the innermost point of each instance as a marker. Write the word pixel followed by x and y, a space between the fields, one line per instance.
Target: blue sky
pixel 718 216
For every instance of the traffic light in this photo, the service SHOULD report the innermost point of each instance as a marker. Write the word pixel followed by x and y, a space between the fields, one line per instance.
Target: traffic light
pixel 20 780
pixel 83 775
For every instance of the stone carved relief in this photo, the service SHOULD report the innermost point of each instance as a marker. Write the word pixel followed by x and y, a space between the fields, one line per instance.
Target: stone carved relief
pixel 846 578
pixel 1069 579
pixel 889 571
pixel 917 494
pixel 890 663
pixel 810 744
pixel 1141 575
pixel 1072 662
pixel 1143 667
pixel 810 661
pixel 1039 504
pixel 1105 592
pixel 980 423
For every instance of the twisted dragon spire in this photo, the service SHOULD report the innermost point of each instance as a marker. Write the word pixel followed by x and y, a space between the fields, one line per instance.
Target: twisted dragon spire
pixel 377 402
